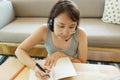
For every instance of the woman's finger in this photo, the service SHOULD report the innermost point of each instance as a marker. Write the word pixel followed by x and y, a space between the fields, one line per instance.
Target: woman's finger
pixel 51 63
pixel 37 74
pixel 48 60
pixel 47 69
pixel 43 74
pixel 54 63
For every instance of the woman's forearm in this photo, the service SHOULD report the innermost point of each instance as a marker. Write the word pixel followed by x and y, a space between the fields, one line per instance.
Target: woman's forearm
pixel 76 60
pixel 25 58
pixel 61 54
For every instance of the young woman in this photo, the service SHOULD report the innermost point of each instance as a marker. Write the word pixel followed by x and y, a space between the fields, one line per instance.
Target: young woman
pixel 62 38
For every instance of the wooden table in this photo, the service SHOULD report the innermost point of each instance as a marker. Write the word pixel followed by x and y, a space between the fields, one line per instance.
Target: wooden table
pixel 84 71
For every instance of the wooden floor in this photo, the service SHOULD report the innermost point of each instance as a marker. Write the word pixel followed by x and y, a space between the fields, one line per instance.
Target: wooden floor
pixel 104 56
pixel 93 54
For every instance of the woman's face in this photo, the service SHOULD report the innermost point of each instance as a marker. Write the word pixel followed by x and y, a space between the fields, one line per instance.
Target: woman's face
pixel 64 27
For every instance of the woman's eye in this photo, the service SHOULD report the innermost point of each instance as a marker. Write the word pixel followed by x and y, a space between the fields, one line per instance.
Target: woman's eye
pixel 61 26
pixel 71 27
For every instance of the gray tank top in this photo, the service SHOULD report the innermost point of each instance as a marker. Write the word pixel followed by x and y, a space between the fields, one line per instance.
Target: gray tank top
pixel 71 50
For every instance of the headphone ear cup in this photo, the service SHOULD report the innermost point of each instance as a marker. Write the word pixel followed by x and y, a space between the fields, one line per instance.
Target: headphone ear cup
pixel 51 23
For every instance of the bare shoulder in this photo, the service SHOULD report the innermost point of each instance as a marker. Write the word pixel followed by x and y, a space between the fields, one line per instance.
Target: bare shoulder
pixel 42 31
pixel 43 28
pixel 81 33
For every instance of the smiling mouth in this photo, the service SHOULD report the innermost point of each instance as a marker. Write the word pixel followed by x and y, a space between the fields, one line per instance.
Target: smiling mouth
pixel 64 37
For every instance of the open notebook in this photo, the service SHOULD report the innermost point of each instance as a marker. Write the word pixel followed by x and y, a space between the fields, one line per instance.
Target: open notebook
pixel 63 68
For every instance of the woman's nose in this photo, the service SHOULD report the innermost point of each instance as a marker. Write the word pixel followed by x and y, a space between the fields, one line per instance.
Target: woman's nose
pixel 65 31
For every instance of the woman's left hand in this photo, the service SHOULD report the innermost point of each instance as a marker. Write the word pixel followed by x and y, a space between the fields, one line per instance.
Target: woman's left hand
pixel 52 59
pixel 76 60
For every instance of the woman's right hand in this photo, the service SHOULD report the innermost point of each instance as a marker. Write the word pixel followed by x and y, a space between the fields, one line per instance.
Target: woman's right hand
pixel 40 74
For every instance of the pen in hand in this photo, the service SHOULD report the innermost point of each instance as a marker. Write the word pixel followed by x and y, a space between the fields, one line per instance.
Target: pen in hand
pixel 41 68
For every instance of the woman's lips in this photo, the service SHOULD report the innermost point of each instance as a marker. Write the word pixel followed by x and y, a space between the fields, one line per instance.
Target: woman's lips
pixel 64 37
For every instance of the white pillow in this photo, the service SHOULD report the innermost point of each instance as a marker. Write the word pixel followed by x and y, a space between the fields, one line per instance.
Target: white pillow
pixel 111 11
pixel 6 13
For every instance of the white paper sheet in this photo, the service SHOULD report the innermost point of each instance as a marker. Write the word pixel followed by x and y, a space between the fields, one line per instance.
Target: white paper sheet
pixel 63 68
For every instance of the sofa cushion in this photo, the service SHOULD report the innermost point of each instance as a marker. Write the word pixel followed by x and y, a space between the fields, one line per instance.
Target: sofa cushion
pixel 20 29
pixel 32 8
pixel 112 11
pixel 99 33
pixel 41 8
pixel 6 13
pixel 90 8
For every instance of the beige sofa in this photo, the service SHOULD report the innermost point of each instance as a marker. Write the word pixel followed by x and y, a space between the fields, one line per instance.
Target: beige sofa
pixel 19 18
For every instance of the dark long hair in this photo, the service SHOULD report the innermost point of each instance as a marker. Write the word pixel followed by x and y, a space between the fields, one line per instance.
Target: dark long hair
pixel 64 6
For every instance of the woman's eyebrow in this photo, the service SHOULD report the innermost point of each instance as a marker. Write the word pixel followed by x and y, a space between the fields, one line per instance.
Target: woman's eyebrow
pixel 61 23
pixel 64 24
pixel 73 24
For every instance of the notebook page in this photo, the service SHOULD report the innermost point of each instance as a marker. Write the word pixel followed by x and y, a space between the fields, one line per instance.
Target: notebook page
pixel 64 68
